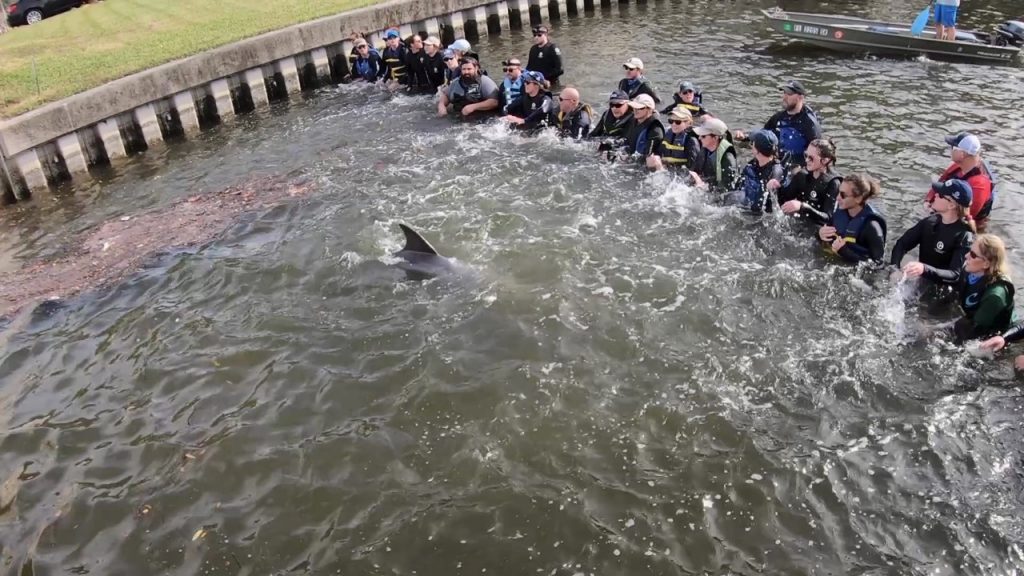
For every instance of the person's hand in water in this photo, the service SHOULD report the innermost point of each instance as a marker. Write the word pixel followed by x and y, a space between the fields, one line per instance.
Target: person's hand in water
pixel 995 344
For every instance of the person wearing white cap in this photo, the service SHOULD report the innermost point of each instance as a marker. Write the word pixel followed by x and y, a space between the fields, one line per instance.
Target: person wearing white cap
pixel 647 132
pixel 717 165
pixel 436 67
pixel 365 63
pixel 635 83
pixel 680 147
pixel 968 166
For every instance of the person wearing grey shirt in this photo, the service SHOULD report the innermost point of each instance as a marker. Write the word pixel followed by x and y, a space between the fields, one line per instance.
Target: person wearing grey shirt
pixel 469 94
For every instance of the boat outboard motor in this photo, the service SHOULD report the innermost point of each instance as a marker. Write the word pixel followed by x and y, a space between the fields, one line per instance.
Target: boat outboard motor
pixel 1010 33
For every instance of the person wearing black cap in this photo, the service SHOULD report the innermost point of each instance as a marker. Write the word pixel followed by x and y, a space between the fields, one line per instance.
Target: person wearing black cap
pixel 531 109
pixel 796 125
pixel 943 238
pixel 512 86
pixel 811 193
pixel 471 93
pixel 688 97
pixel 615 123
pixel 545 57
pixel 763 168
pixel 572 118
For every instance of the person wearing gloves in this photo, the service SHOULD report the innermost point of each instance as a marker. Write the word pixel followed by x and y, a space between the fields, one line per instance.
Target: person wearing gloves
pixel 943 238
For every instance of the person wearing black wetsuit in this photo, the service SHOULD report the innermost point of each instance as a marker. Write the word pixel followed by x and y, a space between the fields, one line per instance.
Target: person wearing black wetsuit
pixel 943 239
pixel 436 67
pixel 531 110
pixel 856 231
pixel 688 98
pixel 571 118
pixel 417 68
pixel 997 343
pixel 545 57
pixel 764 168
pixel 811 192
pixel 635 83
pixel 615 122
pixel 394 57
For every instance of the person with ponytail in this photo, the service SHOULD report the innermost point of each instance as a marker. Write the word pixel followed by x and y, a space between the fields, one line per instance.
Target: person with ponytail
pixel 856 231
pixel 985 291
pixel 811 192
pixel 943 238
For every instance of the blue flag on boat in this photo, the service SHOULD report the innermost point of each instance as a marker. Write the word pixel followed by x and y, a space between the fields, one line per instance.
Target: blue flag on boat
pixel 921 21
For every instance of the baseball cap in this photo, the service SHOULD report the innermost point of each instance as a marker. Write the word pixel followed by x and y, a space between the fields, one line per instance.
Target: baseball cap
pixel 359 42
pixel 448 54
pixel 618 96
pixel 712 126
pixel 540 30
pixel 681 113
pixel 965 141
pixel 533 76
pixel 764 141
pixel 958 190
pixel 512 62
pixel 642 101
pixel 392 34
pixel 634 64
pixel 432 41
pixel 687 86
pixel 794 87
pixel 462 45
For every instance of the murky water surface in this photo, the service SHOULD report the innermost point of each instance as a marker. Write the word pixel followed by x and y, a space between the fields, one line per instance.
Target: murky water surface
pixel 629 380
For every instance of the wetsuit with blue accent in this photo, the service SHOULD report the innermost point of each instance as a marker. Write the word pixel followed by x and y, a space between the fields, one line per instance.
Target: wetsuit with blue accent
pixel 370 68
pixel 864 234
pixel 645 137
pixel 987 304
pixel 795 132
pixel 637 87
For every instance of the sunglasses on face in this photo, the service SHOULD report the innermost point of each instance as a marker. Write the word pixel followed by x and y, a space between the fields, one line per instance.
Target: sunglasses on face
pixel 688 92
pixel 812 158
pixel 449 59
pixel 561 99
pixel 846 195
pixel 974 255
pixel 537 34
pixel 678 121
pixel 363 47
pixel 618 104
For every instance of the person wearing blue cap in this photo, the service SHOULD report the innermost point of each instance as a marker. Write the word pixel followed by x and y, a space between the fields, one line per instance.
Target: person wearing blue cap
pixel 796 125
pixel 856 231
pixel 394 57
pixel 942 238
pixel 763 168
pixel 365 64
pixel 471 93
pixel 453 68
pixel 615 123
pixel 968 166
pixel 531 110
pixel 688 97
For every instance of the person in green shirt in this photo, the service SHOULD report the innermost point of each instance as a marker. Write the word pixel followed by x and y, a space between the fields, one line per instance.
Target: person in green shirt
pixel 985 291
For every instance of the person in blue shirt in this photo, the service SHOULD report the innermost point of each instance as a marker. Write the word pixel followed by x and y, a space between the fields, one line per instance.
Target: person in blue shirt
pixel 365 63
pixel 512 86
pixel 796 126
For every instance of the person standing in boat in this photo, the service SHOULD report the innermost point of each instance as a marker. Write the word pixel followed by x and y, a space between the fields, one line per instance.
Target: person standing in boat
pixel 968 166
pixel 796 126
pixel 945 19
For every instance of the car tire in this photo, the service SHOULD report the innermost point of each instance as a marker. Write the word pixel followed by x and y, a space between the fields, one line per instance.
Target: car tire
pixel 33 16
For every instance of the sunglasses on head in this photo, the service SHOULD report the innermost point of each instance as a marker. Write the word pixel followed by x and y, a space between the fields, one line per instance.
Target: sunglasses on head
pixel 629 68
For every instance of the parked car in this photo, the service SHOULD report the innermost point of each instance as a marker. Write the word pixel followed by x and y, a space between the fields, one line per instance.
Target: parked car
pixel 31 11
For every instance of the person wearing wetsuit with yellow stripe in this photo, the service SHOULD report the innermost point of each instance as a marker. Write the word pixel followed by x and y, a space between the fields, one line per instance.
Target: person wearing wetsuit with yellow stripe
pixel 688 98
pixel 394 57
pixel 680 148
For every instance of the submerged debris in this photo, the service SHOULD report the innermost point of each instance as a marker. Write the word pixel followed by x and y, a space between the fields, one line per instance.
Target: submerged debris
pixel 120 246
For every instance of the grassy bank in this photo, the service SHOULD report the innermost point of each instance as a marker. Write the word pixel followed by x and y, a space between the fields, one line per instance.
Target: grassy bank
pixel 97 43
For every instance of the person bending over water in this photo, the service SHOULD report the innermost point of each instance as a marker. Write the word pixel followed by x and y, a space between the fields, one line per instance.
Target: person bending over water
pixel 811 193
pixel 943 238
pixel 985 291
pixel 856 232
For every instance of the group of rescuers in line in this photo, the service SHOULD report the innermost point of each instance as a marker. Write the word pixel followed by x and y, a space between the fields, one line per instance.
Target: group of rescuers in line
pixel 792 169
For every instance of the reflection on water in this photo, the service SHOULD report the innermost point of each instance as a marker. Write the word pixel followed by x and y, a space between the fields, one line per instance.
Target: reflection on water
pixel 632 380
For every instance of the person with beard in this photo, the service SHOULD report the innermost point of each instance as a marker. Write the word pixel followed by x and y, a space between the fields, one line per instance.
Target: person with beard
pixel 688 98
pixel 435 64
pixel 530 111
pixel 365 63
pixel 645 136
pixel 615 123
pixel 472 93
pixel 762 169
pixel 545 57
pixel 796 126
pixel 680 148
pixel 716 165
pixel 635 83
pixel 394 57
pixel 512 85
pixel 572 118
pixel 811 192
pixel 417 68
pixel 942 238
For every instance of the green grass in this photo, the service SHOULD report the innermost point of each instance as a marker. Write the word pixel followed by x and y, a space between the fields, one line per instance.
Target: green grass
pixel 97 43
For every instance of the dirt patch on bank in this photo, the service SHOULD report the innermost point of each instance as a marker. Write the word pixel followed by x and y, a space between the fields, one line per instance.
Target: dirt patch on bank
pixel 119 247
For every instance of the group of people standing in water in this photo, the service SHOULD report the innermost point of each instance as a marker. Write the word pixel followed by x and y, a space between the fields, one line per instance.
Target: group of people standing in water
pixel 792 169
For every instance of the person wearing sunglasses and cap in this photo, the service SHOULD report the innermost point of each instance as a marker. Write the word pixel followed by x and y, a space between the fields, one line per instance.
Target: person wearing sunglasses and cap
pixel 616 121
pixel 545 57
pixel 471 93
pixel 635 83
pixel 645 136
pixel 572 118
pixel 688 97
pixel 716 165
pixel 512 85
pixel 680 148
pixel 942 238
pixel 763 168
pixel 796 125
pixel 968 166
pixel 985 291
pixel 365 63
pixel 530 111
pixel 394 57
pixel 452 66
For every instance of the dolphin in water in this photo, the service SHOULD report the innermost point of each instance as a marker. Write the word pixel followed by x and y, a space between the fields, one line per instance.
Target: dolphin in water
pixel 420 259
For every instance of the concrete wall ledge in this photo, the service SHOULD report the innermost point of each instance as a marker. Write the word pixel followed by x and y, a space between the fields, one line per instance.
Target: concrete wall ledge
pixel 54 120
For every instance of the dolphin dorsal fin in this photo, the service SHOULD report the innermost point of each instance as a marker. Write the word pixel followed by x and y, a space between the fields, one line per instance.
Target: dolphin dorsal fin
pixel 416 243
